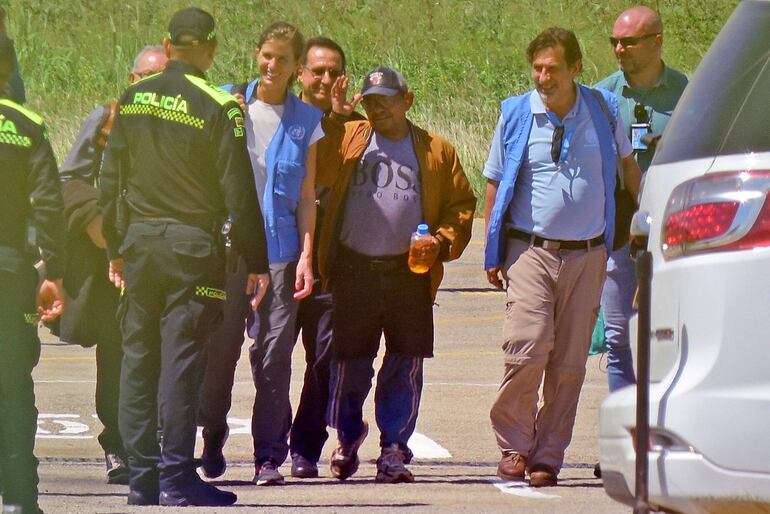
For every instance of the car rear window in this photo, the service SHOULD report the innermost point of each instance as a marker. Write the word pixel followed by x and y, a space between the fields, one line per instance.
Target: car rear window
pixel 726 107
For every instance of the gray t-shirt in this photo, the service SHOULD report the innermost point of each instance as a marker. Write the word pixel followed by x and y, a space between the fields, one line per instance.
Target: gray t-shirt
pixel 384 203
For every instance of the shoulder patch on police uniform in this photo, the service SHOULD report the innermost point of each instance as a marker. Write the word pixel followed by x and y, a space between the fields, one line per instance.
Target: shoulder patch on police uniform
pixel 26 112
pixel 220 96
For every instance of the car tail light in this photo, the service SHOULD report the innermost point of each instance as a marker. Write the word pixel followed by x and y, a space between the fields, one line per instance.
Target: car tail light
pixel 717 212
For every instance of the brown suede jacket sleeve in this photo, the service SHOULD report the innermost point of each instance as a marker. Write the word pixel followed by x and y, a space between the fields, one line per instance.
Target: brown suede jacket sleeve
pixel 448 201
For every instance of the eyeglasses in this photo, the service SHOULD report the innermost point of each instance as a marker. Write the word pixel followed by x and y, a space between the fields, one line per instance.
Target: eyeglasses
pixel 556 142
pixel 631 41
pixel 319 72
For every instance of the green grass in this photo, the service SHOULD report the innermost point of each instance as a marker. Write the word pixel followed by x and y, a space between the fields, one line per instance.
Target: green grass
pixel 461 57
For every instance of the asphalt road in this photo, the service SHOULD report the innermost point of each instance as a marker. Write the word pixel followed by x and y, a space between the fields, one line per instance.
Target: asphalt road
pixel 456 455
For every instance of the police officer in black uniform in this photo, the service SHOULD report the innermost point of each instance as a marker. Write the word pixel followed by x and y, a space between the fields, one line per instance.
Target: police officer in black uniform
pixel 30 197
pixel 176 165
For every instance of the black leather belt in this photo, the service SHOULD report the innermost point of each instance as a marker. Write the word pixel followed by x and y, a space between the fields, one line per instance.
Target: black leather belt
pixel 380 263
pixel 554 244
pixel 207 223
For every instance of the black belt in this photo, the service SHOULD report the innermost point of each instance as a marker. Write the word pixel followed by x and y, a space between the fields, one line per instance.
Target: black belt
pixel 554 244
pixel 379 263
pixel 207 223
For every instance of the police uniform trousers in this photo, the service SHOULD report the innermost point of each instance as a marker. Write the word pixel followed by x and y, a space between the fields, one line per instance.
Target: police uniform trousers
pixel 19 353
pixel 174 274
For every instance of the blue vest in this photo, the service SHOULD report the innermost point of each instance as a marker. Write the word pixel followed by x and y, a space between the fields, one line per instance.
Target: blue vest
pixel 285 160
pixel 517 118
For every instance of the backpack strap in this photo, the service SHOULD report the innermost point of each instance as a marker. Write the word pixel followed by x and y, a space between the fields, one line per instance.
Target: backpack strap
pixel 105 127
pixel 611 120
pixel 605 109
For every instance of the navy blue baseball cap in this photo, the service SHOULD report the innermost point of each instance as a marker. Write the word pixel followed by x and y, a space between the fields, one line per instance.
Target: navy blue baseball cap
pixel 383 81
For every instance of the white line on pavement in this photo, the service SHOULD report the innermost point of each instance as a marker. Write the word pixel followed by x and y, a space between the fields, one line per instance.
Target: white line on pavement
pixel 423 447
pixel 521 489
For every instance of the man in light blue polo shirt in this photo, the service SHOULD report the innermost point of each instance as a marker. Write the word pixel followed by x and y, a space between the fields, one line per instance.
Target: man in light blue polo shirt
pixel 550 217
pixel 647 91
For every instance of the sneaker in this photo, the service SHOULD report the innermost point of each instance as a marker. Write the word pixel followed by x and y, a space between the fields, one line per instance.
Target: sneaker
pixel 391 468
pixel 344 460
pixel 302 467
pixel 268 474
pixel 213 460
pixel 117 470
pixel 200 494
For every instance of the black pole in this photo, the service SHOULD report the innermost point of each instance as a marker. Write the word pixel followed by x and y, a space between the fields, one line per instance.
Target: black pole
pixel 644 279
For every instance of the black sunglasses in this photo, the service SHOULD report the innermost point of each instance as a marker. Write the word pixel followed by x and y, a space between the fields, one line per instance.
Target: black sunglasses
pixel 630 41
pixel 556 142
pixel 640 113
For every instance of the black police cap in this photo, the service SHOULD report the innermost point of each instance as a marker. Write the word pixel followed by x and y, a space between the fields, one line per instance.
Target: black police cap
pixel 191 26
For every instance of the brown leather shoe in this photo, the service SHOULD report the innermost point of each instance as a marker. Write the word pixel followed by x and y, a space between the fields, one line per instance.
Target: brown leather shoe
pixel 542 475
pixel 512 467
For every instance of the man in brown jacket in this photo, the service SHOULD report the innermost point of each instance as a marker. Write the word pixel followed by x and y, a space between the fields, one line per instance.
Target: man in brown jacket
pixel 387 176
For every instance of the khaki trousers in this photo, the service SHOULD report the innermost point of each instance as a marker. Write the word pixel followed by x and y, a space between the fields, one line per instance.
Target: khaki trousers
pixel 553 302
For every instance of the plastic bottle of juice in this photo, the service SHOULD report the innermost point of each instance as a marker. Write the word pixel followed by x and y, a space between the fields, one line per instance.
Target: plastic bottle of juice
pixel 421 240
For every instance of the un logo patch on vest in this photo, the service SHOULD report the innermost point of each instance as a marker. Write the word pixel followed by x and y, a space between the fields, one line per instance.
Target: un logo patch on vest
pixel 296 132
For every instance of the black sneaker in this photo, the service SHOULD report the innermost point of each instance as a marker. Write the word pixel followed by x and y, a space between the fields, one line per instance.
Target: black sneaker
pixel 199 495
pixel 213 460
pixel 267 474
pixel 344 460
pixel 117 470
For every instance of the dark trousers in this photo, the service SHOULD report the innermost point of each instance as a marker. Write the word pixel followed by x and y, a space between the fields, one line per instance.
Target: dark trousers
pixel 19 353
pixel 223 350
pixel 373 297
pixel 173 297
pixel 272 328
pixel 109 357
pixel 396 397
pixel 308 431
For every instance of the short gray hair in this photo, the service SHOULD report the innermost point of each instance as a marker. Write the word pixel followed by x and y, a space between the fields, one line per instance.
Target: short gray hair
pixel 146 49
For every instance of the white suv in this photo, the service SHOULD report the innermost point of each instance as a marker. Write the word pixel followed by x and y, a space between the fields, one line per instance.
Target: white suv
pixel 707 200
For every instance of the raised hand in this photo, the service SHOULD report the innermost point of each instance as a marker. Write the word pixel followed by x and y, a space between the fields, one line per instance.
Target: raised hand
pixel 340 103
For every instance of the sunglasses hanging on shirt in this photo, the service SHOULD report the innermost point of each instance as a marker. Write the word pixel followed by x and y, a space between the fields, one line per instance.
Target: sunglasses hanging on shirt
pixel 556 143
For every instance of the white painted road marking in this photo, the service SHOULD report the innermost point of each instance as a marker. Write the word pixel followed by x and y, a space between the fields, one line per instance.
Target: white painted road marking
pixel 65 426
pixel 521 489
pixel 423 447
pixel 72 429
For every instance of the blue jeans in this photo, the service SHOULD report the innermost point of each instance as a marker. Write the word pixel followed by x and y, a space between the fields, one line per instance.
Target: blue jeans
pixel 617 300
